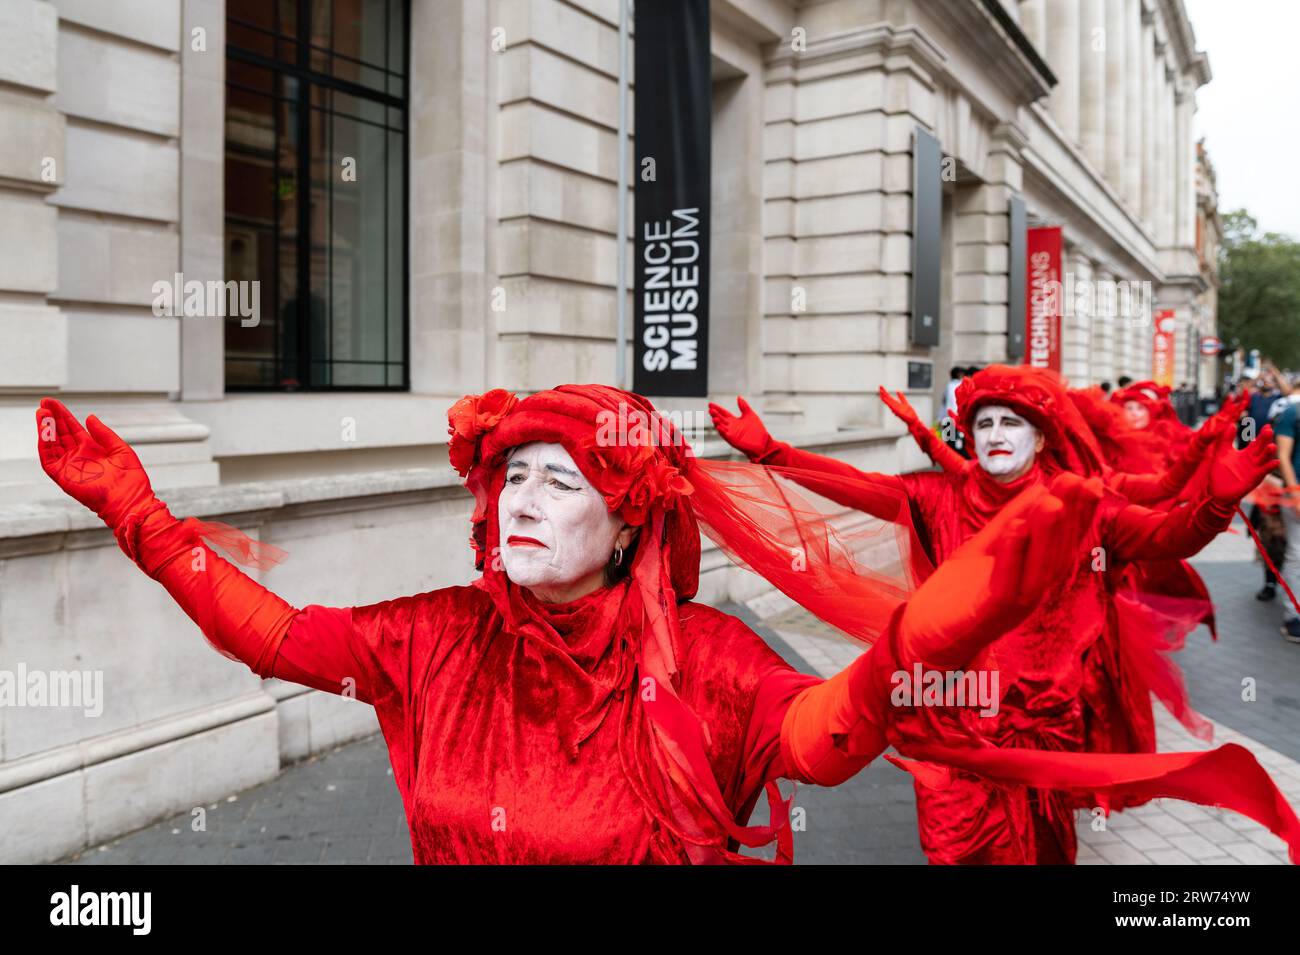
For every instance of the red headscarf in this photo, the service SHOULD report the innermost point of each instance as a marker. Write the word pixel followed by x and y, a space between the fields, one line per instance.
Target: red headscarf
pixel 1165 427
pixel 647 473
pixel 1041 397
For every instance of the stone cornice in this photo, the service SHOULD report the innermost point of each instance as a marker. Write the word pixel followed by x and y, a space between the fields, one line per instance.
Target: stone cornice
pixel 1010 137
pixel 1179 31
pixel 880 38
pixel 981 31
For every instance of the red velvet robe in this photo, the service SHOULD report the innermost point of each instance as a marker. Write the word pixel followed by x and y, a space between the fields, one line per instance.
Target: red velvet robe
pixel 483 725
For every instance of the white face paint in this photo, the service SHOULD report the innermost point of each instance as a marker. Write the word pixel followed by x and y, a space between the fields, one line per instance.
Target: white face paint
pixel 1137 415
pixel 557 534
pixel 1005 443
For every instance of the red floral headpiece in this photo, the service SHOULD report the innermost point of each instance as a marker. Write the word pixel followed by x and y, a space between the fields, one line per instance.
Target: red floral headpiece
pixel 1041 397
pixel 632 455
pixel 1154 397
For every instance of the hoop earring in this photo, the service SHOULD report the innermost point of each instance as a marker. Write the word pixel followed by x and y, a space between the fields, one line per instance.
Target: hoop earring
pixel 618 555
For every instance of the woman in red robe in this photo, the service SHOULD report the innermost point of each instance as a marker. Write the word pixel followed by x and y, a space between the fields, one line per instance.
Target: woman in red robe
pixel 574 704
pixel 1064 693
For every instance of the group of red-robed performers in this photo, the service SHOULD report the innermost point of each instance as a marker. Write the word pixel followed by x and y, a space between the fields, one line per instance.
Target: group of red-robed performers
pixel 574 704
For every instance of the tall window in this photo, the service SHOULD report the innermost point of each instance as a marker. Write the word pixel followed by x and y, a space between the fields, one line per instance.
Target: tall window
pixel 315 176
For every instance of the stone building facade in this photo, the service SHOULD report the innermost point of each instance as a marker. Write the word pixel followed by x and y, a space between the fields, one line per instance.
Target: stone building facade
pixel 142 139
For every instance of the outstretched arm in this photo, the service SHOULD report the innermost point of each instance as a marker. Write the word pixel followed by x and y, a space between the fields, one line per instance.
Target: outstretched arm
pixel 875 494
pixel 239 617
pixel 943 456
pixel 1168 484
pixel 986 588
pixel 1137 533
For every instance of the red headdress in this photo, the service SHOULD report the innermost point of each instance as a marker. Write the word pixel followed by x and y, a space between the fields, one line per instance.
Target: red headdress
pixel 1041 397
pixel 1125 449
pixel 1165 426
pixel 641 464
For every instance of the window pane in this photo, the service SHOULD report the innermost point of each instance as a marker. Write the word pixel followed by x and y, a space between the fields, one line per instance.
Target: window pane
pixel 352 201
pixel 259 170
pixel 330 261
pixel 360 42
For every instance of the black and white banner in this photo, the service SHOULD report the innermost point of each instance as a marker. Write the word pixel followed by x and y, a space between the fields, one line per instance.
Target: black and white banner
pixel 674 89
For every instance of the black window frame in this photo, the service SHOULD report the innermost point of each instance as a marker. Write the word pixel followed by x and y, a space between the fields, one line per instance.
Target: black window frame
pixel 306 79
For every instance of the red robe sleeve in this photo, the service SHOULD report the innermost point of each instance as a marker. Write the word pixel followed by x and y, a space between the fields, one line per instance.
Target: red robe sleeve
pixel 1155 488
pixel 839 481
pixel 239 617
pixel 1137 533
pixel 317 646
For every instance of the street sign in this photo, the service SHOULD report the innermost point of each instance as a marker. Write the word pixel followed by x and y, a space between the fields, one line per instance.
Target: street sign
pixel 1211 345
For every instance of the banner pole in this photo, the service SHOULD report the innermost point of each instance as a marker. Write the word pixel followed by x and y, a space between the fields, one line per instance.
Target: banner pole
pixel 620 357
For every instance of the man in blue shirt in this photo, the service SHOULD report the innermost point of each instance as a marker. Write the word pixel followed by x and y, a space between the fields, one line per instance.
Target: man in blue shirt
pixel 1288 455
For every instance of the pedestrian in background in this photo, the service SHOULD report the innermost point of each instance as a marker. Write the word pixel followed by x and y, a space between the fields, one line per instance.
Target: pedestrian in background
pixel 1288 455
pixel 952 435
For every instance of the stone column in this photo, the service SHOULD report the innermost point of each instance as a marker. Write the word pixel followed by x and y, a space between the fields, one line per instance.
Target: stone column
pixel 1033 22
pixel 1186 211
pixel 1119 342
pixel 449 147
pixel 1133 49
pixel 1168 154
pixel 837 151
pixel 32 166
pixel 1116 102
pixel 1101 349
pixel 1076 331
pixel 1062 26
pixel 1093 42
pixel 203 210
pixel 1148 126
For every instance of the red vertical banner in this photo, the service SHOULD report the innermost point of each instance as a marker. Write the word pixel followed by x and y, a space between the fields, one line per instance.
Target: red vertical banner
pixel 1043 299
pixel 1162 347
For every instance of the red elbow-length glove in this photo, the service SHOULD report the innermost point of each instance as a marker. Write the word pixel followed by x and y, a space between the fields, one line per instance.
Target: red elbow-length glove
pixel 987 587
pixel 240 617
pixel 836 480
pixel 943 456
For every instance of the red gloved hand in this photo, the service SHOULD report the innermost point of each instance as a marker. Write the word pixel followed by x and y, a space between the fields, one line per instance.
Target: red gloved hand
pixel 745 433
pixel 92 464
pixel 1234 474
pixel 938 452
pixel 990 584
pixel 240 618
pixel 901 407
pixel 1222 422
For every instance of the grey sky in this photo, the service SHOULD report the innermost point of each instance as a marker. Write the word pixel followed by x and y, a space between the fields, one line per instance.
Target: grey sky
pixel 1249 113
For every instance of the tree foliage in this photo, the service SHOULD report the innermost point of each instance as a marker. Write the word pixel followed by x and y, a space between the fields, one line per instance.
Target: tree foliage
pixel 1259 292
